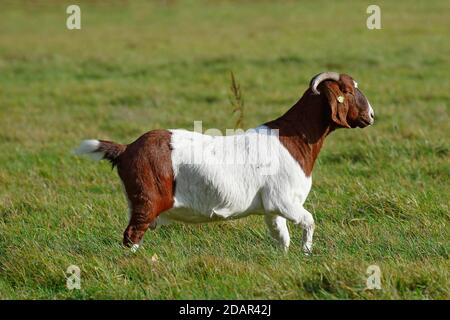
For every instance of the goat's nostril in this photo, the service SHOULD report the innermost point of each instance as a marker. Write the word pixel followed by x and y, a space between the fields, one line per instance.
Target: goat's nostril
pixel 372 115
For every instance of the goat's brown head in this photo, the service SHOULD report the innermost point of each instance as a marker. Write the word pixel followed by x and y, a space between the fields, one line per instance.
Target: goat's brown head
pixel 349 107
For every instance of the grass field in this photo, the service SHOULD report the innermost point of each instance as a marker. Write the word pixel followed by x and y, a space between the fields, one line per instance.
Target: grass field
pixel 380 195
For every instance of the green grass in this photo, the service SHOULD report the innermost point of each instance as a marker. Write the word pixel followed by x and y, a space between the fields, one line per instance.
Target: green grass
pixel 380 195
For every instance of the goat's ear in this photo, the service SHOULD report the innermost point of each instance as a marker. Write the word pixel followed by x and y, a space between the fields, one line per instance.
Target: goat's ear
pixel 338 103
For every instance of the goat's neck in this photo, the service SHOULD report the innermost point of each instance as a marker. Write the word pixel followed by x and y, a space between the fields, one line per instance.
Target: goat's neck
pixel 303 128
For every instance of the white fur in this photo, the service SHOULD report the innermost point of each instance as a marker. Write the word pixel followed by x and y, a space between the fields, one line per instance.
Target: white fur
pixel 258 180
pixel 89 148
pixel 371 112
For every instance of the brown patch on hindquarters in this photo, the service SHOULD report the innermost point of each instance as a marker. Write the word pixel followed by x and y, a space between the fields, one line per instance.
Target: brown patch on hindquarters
pixel 145 168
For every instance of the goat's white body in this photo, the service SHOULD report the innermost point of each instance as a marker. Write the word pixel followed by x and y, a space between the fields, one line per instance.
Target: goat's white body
pixel 257 180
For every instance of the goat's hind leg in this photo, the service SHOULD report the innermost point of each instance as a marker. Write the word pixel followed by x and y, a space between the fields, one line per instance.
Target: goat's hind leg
pixel 277 226
pixel 140 220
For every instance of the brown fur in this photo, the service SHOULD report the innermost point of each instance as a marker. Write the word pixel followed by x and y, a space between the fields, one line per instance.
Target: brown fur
pixel 145 167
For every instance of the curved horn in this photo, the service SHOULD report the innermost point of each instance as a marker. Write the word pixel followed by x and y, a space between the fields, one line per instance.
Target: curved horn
pixel 322 77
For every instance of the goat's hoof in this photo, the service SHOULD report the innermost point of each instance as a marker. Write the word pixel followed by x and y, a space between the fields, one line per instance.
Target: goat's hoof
pixel 307 250
pixel 134 247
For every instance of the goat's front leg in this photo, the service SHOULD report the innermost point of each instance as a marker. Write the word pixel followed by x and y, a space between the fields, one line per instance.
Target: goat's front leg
pixel 308 232
pixel 278 230
pixel 301 216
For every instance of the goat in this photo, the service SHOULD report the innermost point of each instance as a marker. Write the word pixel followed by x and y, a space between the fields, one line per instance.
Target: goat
pixel 163 182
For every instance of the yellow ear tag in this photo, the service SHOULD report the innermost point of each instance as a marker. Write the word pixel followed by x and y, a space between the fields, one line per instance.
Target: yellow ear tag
pixel 340 99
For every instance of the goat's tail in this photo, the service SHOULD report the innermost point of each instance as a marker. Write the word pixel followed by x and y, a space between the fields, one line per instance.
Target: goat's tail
pixel 100 149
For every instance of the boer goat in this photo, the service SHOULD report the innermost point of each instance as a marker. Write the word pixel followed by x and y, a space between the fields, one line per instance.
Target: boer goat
pixel 179 175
